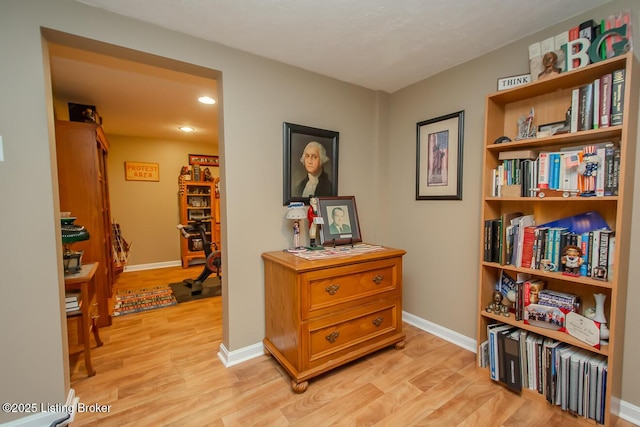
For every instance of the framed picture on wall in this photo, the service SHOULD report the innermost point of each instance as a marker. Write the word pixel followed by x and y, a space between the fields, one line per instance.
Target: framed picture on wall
pixel 439 158
pixel 310 165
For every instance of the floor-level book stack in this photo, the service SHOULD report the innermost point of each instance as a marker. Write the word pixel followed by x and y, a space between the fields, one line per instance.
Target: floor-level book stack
pixel 569 377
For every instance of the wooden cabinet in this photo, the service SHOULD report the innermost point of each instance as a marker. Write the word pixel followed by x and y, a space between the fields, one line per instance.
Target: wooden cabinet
pixel 550 98
pixel 322 314
pixel 198 199
pixel 81 151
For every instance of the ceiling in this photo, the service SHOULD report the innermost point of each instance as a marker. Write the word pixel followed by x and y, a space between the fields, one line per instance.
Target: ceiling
pixel 378 44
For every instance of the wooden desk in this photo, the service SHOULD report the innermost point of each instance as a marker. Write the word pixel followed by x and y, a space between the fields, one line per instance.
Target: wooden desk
pixel 84 281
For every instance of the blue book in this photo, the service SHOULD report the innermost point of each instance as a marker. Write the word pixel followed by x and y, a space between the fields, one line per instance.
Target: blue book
pixel 554 176
pixel 584 245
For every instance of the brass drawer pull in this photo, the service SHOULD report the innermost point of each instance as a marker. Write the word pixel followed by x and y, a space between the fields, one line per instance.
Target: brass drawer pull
pixel 377 321
pixel 331 290
pixel 378 279
pixel 332 337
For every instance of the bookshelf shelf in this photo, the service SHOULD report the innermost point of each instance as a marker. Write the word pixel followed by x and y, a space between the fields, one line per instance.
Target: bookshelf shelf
pixel 559 336
pixel 550 99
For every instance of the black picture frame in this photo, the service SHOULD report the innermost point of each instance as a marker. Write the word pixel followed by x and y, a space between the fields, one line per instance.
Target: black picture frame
pixel 296 138
pixel 439 150
pixel 329 235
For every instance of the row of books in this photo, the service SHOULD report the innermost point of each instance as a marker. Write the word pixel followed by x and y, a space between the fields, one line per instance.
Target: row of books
pixel 590 170
pixel 72 301
pixel 580 54
pixel 598 104
pixel 514 239
pixel 572 378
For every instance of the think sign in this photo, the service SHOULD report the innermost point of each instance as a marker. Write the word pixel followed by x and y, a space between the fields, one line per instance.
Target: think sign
pixel 140 171
pixel 513 81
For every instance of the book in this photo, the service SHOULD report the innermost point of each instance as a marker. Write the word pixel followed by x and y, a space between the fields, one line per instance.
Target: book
pixel 608 169
pixel 492 334
pixel 512 360
pixel 554 171
pixel 585 111
pixel 575 109
pixel 601 173
pixel 596 104
pixel 595 364
pixel 528 243
pixel 575 374
pixel 602 268
pixel 518 154
pixel 617 97
pixel 506 240
pixel 565 368
pixel 72 296
pixel 521 222
pixel 543 170
pixel 605 100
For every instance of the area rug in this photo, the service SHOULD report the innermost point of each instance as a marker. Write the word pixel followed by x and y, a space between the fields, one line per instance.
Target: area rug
pixel 212 287
pixel 128 302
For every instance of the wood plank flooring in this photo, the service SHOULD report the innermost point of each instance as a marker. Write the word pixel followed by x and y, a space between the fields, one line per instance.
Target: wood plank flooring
pixel 160 368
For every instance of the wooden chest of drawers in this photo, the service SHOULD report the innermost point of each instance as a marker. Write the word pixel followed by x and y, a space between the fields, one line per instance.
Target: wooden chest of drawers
pixel 322 314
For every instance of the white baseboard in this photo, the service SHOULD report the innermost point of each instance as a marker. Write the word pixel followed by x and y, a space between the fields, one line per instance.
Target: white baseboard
pixel 238 356
pixel 626 411
pixel 437 330
pixel 153 266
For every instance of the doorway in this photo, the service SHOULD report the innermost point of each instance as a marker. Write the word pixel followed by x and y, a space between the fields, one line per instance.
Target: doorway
pixel 142 100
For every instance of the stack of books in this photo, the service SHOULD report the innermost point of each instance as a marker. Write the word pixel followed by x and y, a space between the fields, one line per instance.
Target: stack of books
pixel 72 301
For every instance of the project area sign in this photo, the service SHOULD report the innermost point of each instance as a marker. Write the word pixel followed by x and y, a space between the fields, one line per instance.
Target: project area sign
pixel 141 171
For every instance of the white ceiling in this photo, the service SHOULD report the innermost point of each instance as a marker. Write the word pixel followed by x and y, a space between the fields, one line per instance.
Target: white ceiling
pixel 379 44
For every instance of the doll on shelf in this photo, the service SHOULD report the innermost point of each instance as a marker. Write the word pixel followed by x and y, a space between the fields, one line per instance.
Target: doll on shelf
pixel 571 260
pixel 588 170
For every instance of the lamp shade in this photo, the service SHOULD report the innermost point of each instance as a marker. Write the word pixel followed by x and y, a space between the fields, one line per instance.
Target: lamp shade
pixel 296 211
pixel 71 232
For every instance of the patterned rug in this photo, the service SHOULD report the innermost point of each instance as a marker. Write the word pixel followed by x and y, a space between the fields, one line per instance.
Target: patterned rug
pixel 128 302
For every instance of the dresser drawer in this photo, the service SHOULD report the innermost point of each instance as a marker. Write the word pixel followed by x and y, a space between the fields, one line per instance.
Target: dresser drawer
pixel 328 338
pixel 330 290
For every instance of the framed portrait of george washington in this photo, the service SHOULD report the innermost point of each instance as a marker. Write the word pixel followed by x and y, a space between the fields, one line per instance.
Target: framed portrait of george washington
pixel 310 163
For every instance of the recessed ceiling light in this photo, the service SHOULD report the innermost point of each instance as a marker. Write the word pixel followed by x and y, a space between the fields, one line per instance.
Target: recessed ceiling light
pixel 186 129
pixel 206 100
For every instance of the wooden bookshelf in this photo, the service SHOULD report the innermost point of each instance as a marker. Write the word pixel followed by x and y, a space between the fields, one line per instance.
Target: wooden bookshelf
pixel 198 199
pixel 550 99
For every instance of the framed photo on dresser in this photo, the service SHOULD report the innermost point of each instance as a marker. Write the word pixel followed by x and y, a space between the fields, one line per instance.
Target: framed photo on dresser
pixel 340 217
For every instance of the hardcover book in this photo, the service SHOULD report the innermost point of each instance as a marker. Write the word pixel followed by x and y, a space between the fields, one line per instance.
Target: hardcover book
pixel 585 112
pixel 605 100
pixel 617 97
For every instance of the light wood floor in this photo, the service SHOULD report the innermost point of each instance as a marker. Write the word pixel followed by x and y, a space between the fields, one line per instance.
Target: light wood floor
pixel 161 368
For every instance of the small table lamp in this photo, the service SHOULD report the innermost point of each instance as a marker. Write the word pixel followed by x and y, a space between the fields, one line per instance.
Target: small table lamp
pixel 296 212
pixel 72 233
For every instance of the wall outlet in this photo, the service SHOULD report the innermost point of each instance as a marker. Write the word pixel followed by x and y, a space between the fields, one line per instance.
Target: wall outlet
pixel 1 150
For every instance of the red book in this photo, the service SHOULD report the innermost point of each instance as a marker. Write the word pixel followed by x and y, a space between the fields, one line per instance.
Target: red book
pixel 527 246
